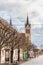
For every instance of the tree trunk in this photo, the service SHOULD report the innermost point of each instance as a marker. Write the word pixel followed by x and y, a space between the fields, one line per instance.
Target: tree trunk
pixel 12 55
pixel 18 54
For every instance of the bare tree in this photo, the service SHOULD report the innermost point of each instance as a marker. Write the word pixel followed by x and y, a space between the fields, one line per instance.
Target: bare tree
pixel 8 36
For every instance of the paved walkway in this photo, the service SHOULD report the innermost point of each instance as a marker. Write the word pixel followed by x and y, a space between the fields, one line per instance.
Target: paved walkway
pixel 35 61
pixel 8 64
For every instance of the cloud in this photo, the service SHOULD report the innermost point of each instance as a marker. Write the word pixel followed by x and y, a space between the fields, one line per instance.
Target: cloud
pixel 34 14
pixel 18 10
pixel 40 19
pixel 8 1
pixel 36 26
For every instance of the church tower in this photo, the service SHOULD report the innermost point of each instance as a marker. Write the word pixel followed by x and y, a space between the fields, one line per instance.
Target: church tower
pixel 10 21
pixel 27 30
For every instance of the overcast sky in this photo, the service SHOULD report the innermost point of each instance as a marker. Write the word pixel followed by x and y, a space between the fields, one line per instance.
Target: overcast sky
pixel 18 9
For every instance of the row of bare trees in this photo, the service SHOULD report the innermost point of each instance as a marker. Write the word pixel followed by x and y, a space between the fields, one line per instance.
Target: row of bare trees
pixel 8 37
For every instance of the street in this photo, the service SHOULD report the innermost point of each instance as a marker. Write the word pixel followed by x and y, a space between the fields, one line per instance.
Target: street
pixel 35 61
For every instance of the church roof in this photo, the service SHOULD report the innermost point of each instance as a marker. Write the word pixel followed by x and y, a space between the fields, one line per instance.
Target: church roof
pixel 22 34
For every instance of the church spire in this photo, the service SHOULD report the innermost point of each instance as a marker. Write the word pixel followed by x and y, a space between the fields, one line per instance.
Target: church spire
pixel 10 21
pixel 27 21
